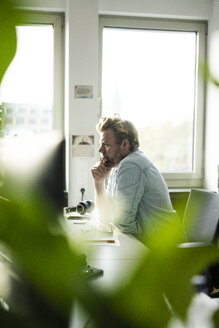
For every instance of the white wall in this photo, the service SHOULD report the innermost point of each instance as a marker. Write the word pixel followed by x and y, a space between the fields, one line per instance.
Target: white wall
pixel 82 68
pixel 48 5
pixel 212 104
pixel 189 9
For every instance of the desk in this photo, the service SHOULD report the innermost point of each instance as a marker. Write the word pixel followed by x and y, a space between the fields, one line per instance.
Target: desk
pixel 118 263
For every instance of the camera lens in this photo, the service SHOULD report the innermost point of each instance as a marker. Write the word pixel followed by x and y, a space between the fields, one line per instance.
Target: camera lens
pixel 86 206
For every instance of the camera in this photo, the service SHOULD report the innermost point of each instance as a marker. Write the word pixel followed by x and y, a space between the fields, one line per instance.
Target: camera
pixel 82 207
pixel 85 207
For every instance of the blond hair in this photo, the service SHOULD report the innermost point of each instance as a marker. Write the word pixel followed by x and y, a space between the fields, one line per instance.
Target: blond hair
pixel 122 129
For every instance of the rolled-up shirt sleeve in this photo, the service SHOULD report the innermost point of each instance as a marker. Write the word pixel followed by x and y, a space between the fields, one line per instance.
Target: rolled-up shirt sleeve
pixel 129 187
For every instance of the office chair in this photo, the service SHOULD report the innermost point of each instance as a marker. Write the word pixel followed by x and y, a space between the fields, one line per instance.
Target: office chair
pixel 201 225
pixel 201 216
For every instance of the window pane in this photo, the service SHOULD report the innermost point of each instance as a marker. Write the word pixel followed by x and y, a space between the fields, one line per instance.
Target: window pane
pixel 149 77
pixel 27 88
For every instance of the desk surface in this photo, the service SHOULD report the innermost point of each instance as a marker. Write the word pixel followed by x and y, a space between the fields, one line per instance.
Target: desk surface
pixel 129 247
pixel 119 263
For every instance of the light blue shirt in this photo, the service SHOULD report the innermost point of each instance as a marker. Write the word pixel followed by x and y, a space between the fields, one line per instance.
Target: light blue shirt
pixel 140 197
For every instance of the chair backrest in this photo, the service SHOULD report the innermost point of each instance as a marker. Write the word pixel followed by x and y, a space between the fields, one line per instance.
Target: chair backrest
pixel 201 215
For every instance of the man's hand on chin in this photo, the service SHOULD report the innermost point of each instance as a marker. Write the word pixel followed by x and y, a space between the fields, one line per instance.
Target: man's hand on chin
pixel 100 172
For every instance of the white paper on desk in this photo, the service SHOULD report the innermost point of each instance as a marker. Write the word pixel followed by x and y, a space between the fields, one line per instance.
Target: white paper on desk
pixel 103 241
pixel 81 221
pixel 77 216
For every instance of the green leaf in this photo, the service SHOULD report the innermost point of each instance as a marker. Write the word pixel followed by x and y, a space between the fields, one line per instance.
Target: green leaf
pixel 207 74
pixel 162 283
pixel 216 319
pixel 13 320
pixel 40 250
pixel 8 41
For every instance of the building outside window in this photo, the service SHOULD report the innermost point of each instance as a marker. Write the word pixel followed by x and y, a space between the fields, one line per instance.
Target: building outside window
pixel 31 90
pixel 149 75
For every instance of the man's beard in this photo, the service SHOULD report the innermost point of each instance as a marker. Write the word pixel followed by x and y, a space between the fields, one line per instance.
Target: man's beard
pixel 111 162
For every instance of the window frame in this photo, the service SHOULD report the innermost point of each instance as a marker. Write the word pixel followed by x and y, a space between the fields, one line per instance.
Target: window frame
pixel 24 17
pixel 181 179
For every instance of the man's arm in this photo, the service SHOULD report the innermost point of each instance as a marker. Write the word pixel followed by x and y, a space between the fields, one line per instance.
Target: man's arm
pixel 130 188
pixel 100 173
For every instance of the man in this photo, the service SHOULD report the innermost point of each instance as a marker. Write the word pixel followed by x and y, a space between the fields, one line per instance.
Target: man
pixel 136 198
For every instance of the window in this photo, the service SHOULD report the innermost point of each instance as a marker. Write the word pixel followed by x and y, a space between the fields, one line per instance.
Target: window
pixel 150 76
pixel 31 90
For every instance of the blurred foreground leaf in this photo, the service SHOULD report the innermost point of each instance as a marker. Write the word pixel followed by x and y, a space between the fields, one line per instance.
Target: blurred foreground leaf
pixel 8 41
pixel 216 318
pixel 164 275
pixel 41 251
pixel 11 320
pixel 161 283
pixel 161 287
pixel 207 74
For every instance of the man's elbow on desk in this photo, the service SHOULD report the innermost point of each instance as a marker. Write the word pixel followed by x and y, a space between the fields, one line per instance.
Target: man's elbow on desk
pixel 128 228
